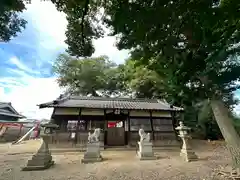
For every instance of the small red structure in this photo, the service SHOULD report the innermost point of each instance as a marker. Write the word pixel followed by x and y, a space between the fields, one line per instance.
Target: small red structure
pixel 4 125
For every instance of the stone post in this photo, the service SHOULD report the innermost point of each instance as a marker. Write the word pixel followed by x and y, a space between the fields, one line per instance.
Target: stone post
pixel 43 158
pixel 186 152
pixel 145 151
pixel 92 153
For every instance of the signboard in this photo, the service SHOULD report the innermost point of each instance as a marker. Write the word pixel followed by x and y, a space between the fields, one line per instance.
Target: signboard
pixel 112 124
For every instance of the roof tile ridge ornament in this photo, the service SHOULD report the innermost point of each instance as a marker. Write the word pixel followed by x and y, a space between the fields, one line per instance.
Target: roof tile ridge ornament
pixel 61 99
pixel 165 103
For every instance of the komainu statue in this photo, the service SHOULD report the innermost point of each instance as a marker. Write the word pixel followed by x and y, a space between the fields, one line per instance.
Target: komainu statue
pixel 143 136
pixel 94 137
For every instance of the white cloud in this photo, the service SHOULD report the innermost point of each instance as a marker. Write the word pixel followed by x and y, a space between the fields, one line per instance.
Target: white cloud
pixel 15 61
pixel 106 46
pixel 25 92
pixel 49 22
pixel 25 98
pixel 1 92
pixel 16 71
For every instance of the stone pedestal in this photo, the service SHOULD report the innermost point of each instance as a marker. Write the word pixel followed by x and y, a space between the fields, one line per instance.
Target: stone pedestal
pixel 186 152
pixel 42 159
pixel 92 153
pixel 145 151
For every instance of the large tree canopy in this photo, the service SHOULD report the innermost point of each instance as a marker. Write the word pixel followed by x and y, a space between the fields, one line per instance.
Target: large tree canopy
pixel 91 76
pixel 190 41
pixel 141 81
pixel 191 44
pixel 99 76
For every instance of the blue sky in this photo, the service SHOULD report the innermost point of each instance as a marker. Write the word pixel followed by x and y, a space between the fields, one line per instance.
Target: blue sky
pixel 25 67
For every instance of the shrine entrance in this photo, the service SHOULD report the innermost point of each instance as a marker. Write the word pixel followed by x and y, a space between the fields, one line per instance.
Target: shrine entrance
pixel 115 129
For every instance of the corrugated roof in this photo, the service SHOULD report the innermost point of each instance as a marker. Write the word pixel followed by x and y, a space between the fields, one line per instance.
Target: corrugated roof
pixel 111 103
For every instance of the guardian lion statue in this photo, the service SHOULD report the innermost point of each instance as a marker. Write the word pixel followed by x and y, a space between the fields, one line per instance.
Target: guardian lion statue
pixel 143 136
pixel 94 137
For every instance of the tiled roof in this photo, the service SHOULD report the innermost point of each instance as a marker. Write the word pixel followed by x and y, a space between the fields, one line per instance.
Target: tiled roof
pixel 8 113
pixel 7 110
pixel 111 103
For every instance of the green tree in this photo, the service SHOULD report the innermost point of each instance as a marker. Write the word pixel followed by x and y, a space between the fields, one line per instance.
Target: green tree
pixel 191 43
pixel 10 22
pixel 141 81
pixel 87 76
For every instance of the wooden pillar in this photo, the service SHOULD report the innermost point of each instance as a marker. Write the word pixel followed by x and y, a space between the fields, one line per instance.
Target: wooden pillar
pixel 129 130
pixel 128 119
pixel 151 121
pixel 105 127
pixel 123 121
pixel 78 125
pixel 174 120
pixel 105 120
pixel 174 123
pixel 86 125
pixel 90 124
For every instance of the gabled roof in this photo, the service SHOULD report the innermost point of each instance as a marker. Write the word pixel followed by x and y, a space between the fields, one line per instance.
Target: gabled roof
pixel 6 109
pixel 111 103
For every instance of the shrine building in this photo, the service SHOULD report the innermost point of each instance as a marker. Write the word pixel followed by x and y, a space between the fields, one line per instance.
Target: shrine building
pixel 119 118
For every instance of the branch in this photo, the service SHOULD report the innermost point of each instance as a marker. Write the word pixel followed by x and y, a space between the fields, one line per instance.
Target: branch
pixel 85 11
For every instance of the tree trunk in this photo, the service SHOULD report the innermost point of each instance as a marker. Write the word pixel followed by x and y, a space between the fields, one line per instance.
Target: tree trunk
pixel 229 133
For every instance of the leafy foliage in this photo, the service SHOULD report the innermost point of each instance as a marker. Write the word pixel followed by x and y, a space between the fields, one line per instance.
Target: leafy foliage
pixel 10 22
pixel 83 25
pixel 141 81
pixel 87 76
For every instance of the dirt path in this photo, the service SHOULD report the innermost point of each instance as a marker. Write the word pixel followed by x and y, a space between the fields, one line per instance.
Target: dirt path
pixel 119 165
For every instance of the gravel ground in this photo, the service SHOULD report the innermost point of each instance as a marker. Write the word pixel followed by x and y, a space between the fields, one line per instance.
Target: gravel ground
pixel 118 165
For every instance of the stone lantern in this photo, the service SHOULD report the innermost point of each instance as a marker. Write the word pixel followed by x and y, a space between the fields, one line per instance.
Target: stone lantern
pixel 186 152
pixel 49 128
pixel 42 159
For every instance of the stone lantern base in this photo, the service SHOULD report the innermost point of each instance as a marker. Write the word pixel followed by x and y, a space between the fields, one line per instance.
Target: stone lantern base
pixel 42 159
pixel 93 153
pixel 188 155
pixel 145 151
